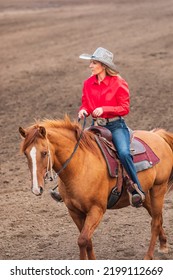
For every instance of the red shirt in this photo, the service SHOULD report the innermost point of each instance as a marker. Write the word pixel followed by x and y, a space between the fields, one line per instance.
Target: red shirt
pixel 112 94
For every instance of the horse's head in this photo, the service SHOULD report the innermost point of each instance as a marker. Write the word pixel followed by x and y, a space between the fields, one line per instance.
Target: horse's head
pixel 35 146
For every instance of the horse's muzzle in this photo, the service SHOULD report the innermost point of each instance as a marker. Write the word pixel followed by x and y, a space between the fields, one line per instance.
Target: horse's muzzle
pixel 37 191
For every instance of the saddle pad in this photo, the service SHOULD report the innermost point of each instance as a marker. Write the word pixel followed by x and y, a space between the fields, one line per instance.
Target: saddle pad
pixel 147 155
pixel 145 160
pixel 143 156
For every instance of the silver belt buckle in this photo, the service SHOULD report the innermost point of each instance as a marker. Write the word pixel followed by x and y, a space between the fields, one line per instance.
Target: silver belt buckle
pixel 101 121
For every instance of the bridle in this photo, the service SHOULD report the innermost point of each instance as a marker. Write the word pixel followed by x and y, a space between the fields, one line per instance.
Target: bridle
pixel 50 176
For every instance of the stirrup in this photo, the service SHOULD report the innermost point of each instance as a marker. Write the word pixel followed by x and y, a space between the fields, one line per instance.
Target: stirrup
pixel 135 199
pixel 136 196
pixel 56 196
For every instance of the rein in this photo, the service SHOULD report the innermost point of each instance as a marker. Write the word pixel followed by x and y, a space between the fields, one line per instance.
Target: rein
pixel 51 178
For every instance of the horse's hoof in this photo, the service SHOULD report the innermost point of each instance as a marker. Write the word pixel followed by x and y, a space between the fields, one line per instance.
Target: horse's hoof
pixel 147 257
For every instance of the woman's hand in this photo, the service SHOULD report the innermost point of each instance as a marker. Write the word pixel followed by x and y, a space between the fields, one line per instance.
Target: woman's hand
pixel 97 112
pixel 82 113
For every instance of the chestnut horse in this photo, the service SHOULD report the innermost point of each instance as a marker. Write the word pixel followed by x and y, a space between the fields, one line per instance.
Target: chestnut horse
pixel 85 183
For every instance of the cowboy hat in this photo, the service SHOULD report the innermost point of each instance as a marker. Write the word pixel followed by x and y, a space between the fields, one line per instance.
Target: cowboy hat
pixel 102 55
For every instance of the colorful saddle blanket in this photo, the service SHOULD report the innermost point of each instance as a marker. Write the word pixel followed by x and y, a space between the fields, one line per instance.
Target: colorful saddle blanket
pixel 143 156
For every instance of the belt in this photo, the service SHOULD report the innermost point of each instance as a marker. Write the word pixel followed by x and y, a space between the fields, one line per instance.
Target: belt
pixel 105 121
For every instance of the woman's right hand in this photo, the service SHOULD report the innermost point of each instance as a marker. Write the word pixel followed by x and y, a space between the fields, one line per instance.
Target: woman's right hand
pixel 82 113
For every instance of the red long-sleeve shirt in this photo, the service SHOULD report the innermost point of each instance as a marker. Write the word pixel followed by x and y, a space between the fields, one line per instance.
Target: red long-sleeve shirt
pixel 112 94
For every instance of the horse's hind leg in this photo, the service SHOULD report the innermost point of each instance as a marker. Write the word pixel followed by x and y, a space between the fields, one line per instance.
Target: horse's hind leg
pixel 162 236
pixel 163 240
pixel 157 198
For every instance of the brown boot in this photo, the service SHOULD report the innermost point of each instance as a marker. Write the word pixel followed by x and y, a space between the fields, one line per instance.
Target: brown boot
pixel 136 200
pixel 56 196
pixel 136 196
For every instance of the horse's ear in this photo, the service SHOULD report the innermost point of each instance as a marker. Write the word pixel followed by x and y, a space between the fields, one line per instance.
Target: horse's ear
pixel 22 132
pixel 42 131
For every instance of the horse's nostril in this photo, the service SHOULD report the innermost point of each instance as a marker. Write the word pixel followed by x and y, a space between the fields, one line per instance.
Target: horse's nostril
pixel 41 190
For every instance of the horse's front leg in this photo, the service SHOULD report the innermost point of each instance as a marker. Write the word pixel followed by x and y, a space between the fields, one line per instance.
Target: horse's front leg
pixel 87 251
pixel 92 220
pixel 79 219
pixel 90 251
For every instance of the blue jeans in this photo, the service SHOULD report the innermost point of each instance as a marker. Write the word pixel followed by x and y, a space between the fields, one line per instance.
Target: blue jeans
pixel 121 141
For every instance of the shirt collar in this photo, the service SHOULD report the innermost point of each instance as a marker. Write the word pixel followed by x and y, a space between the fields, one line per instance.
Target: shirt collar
pixel 105 81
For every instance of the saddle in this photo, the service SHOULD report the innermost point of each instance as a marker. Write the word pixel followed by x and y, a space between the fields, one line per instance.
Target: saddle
pixel 143 158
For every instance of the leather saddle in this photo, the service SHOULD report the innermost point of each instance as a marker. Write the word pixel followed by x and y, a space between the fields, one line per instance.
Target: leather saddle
pixel 143 158
pixel 104 141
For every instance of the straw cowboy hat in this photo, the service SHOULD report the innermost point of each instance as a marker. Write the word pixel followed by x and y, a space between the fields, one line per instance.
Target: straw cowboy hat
pixel 102 55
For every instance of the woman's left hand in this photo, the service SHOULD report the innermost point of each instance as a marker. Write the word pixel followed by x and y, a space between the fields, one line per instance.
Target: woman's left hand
pixel 97 112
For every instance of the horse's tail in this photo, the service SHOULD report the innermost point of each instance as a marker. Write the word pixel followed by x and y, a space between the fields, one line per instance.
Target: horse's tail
pixel 168 137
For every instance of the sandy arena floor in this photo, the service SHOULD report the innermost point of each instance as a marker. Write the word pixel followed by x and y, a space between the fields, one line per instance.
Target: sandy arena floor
pixel 41 77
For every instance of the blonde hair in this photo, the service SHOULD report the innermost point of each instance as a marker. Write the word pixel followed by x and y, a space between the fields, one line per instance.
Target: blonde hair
pixel 111 72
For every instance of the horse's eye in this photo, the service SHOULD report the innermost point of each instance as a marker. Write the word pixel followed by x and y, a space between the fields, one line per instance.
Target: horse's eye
pixel 44 154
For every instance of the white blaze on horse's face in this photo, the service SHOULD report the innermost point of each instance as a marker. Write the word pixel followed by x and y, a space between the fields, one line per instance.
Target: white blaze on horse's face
pixel 36 189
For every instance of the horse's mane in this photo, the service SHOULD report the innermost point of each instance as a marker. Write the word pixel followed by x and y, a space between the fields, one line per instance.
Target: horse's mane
pixel 32 132
pixel 87 137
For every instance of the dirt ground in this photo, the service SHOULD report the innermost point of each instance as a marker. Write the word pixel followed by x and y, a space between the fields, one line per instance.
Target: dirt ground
pixel 41 77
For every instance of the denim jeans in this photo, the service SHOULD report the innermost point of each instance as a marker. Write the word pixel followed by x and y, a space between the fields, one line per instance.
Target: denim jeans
pixel 121 141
